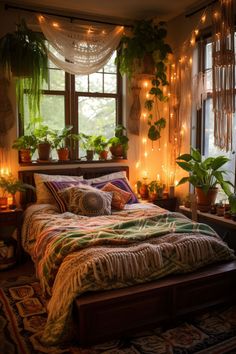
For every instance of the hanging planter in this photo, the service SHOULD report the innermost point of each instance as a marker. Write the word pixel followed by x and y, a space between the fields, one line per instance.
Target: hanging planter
pixel 145 53
pixel 23 55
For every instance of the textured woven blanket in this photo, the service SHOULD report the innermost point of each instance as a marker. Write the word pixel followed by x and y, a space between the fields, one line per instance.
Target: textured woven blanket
pixel 80 254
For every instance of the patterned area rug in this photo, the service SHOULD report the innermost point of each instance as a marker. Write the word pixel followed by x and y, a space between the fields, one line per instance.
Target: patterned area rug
pixel 23 316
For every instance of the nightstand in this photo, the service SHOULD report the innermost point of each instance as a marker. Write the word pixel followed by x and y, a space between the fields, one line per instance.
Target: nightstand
pixel 12 218
pixel 167 203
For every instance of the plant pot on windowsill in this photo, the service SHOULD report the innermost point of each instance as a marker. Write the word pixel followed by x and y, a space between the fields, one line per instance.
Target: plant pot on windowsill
pixel 117 151
pixel 103 155
pixel 63 154
pixel 89 155
pixel 44 150
pixel 205 200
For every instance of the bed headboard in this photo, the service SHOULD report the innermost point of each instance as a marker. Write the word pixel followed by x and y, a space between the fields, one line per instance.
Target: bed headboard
pixel 27 176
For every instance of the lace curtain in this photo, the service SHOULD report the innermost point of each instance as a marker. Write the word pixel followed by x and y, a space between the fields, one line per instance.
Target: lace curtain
pixel 80 49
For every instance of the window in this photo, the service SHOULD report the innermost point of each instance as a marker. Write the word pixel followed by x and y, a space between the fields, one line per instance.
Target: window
pixel 207 122
pixel 91 103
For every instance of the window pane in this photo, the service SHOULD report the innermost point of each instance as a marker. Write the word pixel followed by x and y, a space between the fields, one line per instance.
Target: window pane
pixel 56 80
pixel 110 83
pixel 97 116
pixel 81 83
pixel 208 56
pixel 212 150
pixel 95 82
pixel 111 67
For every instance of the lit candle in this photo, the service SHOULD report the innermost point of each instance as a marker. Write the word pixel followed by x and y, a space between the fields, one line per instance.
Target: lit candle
pixel 158 178
pixel 145 174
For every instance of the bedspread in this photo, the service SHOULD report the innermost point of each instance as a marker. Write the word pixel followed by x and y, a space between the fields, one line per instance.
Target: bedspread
pixel 75 254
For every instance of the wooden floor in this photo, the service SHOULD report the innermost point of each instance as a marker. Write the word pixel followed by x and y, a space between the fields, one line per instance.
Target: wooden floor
pixel 24 269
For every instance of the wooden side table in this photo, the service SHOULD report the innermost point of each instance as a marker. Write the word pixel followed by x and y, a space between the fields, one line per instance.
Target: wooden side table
pixel 167 203
pixel 12 218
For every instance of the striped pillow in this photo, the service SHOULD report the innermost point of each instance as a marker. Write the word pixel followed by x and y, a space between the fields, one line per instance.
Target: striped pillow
pixel 54 187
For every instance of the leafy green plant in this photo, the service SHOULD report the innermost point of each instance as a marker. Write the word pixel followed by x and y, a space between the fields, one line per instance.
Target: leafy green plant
pixel 86 141
pixel 11 185
pixel 120 138
pixel 147 40
pixel 101 143
pixel 25 142
pixel 204 173
pixel 23 54
pixel 60 137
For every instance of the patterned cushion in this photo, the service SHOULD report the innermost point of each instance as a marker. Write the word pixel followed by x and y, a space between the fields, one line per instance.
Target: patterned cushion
pixel 88 202
pixel 43 194
pixel 54 187
pixel 119 198
pixel 121 183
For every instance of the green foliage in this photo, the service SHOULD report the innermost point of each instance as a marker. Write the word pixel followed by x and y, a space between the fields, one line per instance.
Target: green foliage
pixel 11 185
pixel 204 173
pixel 23 54
pixel 147 40
pixel 155 187
pixel 60 137
pixel 120 137
pixel 87 141
pixel 100 143
pixel 25 142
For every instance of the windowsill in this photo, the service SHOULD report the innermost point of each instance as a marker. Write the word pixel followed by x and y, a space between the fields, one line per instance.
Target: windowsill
pixel 70 162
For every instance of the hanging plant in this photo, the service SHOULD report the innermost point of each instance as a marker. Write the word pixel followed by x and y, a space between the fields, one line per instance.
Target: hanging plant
pixel 145 51
pixel 23 55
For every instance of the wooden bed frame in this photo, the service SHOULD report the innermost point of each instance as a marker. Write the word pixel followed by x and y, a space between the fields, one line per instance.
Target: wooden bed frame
pixel 111 314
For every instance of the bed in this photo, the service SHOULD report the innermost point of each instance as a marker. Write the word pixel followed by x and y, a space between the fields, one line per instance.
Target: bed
pixel 147 284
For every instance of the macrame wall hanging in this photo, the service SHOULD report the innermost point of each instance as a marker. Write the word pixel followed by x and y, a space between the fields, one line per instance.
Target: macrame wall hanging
pixel 223 73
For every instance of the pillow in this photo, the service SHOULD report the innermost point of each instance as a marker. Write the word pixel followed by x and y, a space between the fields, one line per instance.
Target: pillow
pixel 42 193
pixel 54 187
pixel 119 198
pixel 88 202
pixel 121 183
pixel 107 178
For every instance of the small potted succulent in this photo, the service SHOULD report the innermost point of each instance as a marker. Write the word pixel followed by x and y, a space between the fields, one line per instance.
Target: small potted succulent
pixel 44 136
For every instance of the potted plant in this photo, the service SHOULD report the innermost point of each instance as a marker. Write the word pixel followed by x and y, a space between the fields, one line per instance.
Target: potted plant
pixel 23 54
pixel 146 52
pixel 155 190
pixel 101 147
pixel 87 144
pixel 119 143
pixel 44 137
pixel 26 144
pixel 10 185
pixel 59 142
pixel 204 175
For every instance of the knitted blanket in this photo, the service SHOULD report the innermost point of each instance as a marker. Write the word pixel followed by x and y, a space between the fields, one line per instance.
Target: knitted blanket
pixel 115 252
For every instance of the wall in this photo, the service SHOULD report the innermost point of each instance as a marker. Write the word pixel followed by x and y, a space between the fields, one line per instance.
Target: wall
pixel 142 157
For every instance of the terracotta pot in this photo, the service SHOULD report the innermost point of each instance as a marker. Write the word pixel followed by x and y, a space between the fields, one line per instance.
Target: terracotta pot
pixel 117 151
pixel 25 155
pixel 103 155
pixel 205 200
pixel 3 203
pixel 44 150
pixel 144 191
pixel 63 154
pixel 153 196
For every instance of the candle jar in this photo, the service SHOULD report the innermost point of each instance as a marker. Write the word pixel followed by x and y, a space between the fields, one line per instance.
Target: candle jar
pixel 3 203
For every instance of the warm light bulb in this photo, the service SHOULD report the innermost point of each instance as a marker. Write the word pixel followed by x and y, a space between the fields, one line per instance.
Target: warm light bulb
pixel 145 154
pixel 144 140
pixel 192 41
pixel 55 24
pixel 203 18
pixel 196 31
pixel 145 84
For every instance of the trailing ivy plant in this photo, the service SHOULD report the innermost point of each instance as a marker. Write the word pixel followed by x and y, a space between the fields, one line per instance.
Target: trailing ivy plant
pixel 23 54
pixel 147 40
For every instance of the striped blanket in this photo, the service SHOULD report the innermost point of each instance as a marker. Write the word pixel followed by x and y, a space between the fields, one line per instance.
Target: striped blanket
pixel 80 254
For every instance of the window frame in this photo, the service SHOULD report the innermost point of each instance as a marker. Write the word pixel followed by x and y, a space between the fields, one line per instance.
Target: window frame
pixel 71 109
pixel 201 113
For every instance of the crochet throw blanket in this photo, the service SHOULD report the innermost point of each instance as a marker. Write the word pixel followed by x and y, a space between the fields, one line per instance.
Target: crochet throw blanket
pixel 123 250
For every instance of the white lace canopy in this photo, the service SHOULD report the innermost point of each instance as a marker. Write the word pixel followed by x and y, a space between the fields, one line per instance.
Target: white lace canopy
pixel 80 49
